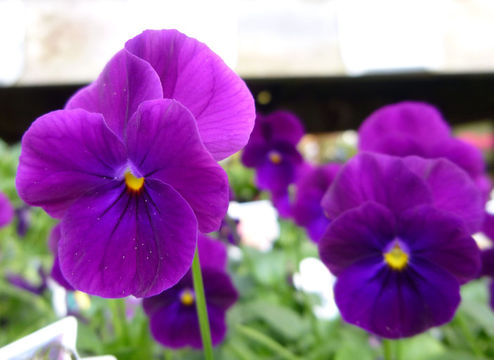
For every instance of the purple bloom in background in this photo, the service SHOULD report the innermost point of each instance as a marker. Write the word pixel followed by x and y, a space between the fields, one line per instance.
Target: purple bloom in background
pixel 56 273
pixel 272 150
pixel 20 282
pixel 173 316
pixel 129 167
pixel 167 64
pixel 399 242
pixel 23 215
pixel 130 206
pixel 310 189
pixel 6 210
pixel 415 128
pixel 488 227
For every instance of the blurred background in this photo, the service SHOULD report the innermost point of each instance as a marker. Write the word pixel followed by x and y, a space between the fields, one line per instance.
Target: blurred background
pixel 69 41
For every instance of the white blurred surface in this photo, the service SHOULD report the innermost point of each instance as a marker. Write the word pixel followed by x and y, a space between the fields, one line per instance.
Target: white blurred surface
pixel 69 41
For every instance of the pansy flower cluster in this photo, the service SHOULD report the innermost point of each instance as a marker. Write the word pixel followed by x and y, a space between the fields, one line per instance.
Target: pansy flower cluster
pixel 402 213
pixel 130 165
pixel 272 150
pixel 296 186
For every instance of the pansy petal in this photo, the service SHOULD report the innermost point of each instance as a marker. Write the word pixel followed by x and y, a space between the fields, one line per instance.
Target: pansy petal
pixel 463 154
pixel 254 153
pixel 488 226
pixel 6 210
pixel 375 177
pixel 64 154
pixel 396 304
pixel 452 189
pixel 56 273
pixel 194 75
pixel 487 262
pixel 279 125
pixel 282 202
pixel 115 243
pixel 408 119
pixel 174 154
pixel 212 252
pixel 219 289
pixel 275 177
pixel 125 82
pixel 441 239
pixel 357 234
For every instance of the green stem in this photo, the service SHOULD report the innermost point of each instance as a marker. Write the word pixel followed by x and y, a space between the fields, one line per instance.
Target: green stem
pixel 202 313
pixel 468 336
pixel 266 341
pixel 387 349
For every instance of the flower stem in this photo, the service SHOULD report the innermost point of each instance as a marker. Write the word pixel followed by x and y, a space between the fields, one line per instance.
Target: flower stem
pixel 202 312
pixel 387 349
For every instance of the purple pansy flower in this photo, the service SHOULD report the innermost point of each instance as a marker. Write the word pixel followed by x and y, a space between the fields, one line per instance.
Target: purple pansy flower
pixel 272 150
pixel 310 189
pixel 173 316
pixel 6 210
pixel 56 273
pixel 415 128
pixel 167 64
pixel 129 167
pixel 129 205
pixel 398 243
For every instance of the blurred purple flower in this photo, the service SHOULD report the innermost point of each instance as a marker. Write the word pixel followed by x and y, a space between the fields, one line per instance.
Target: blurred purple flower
pixel 415 128
pixel 488 227
pixel 20 282
pixel 6 210
pixel 228 230
pixel 272 150
pixel 398 237
pixel 23 215
pixel 310 189
pixel 173 316
pixel 167 64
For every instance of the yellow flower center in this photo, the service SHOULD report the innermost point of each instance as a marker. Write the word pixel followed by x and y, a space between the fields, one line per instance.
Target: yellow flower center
pixel 133 183
pixel 187 297
pixel 396 258
pixel 275 157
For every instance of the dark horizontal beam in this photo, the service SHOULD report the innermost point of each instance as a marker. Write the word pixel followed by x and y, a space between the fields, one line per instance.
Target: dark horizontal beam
pixel 324 104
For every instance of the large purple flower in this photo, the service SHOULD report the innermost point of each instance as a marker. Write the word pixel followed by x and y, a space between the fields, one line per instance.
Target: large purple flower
pixel 6 210
pixel 173 316
pixel 167 64
pixel 415 128
pixel 399 243
pixel 310 189
pixel 272 150
pixel 130 197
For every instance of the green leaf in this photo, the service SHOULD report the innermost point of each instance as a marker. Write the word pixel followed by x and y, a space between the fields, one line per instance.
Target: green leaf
pixel 282 320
